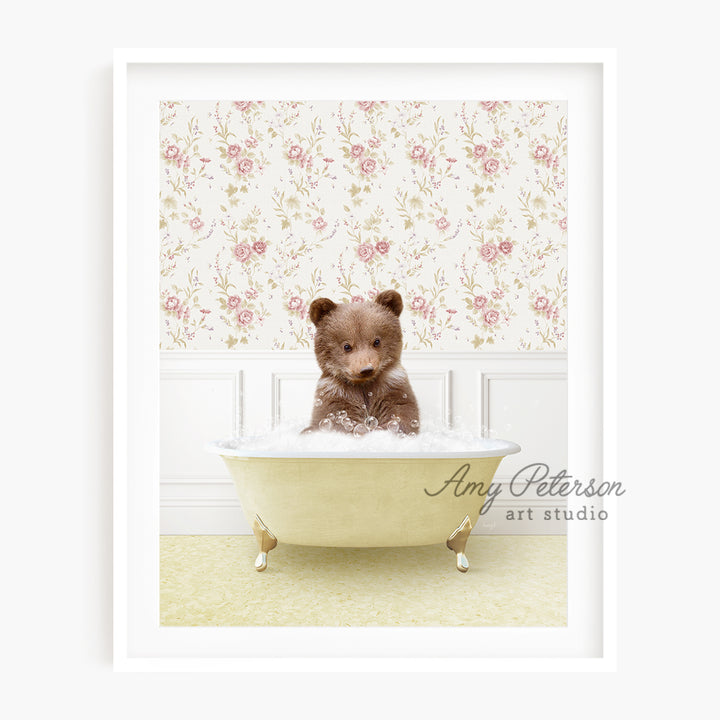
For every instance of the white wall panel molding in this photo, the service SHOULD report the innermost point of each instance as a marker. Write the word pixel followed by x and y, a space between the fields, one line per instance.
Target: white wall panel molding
pixel 210 395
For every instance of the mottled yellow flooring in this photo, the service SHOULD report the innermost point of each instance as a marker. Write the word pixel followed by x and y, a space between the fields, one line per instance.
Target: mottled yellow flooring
pixel 513 581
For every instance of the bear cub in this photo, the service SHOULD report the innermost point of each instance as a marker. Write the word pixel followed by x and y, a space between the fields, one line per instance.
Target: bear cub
pixel 358 348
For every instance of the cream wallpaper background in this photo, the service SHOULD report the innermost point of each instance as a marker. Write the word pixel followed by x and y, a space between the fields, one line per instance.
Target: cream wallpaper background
pixel 460 206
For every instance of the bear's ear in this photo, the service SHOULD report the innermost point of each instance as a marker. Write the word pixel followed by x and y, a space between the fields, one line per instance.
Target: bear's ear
pixel 391 300
pixel 320 308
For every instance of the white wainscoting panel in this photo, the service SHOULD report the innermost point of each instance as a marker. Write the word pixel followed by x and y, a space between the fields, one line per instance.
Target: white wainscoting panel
pixel 206 396
pixel 196 405
pixel 531 410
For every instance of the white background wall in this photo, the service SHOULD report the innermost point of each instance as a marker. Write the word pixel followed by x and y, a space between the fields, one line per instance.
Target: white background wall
pixel 211 395
pixel 57 504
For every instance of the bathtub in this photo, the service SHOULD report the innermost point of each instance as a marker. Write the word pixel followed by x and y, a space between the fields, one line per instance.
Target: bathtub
pixel 377 499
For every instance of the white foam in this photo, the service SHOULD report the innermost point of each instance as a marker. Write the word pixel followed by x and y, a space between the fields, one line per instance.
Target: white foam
pixel 287 441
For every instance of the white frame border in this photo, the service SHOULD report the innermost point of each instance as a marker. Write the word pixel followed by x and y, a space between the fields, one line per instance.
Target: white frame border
pixel 123 58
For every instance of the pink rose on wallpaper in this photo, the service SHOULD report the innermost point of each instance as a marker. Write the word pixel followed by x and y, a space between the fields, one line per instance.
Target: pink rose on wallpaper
pixel 196 223
pixel 245 317
pixel 172 151
pixel 172 303
pixel 492 166
pixel 295 303
pixel 242 252
pixel 357 299
pixel 418 303
pixel 233 150
pixel 366 252
pixel 382 246
pixel 479 151
pixel 563 223
pixel 243 105
pixel 479 302
pixel 368 166
pixel 356 151
pixel 489 105
pixel 497 294
pixel 542 304
pixel 418 152
pixel 245 166
pixel 373 293
pixel 234 301
pixel 491 317
pixel 366 105
pixel 497 142
pixel 374 142
pixel 294 152
pixel 251 294
pixel 259 246
pixel 251 142
pixel 488 252
pixel 442 223
pixel 542 152
pixel 505 247
pixel 319 223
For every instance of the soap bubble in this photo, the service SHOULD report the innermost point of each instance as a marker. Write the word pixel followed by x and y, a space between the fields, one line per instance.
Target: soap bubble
pixel 318 402
pixel 348 424
pixel 369 394
pixel 359 430
pixel 412 434
pixel 326 424
pixel 342 415
pixel 415 423
pixel 404 396
pixel 393 426
pixel 371 422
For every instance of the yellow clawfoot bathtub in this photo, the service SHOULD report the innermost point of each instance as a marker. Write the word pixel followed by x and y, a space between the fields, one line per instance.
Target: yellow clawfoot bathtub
pixel 384 499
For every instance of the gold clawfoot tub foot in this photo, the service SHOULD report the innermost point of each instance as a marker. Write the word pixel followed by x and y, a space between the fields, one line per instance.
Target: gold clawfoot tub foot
pixel 266 542
pixel 457 541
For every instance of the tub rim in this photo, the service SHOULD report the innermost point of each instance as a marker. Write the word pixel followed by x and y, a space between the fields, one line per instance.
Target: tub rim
pixel 217 447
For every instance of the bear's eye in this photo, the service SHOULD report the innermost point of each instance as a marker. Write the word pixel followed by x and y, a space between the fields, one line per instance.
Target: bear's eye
pixel 377 342
pixel 347 348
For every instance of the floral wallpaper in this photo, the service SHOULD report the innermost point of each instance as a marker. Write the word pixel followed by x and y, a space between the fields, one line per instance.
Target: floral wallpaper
pixel 460 206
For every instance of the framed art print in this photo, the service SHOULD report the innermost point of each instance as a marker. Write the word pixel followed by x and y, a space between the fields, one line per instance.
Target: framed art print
pixel 428 234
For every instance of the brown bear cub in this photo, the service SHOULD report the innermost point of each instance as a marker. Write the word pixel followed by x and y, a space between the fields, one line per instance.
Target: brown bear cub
pixel 363 385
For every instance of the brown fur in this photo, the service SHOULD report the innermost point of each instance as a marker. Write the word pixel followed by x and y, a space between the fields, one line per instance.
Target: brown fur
pixel 366 380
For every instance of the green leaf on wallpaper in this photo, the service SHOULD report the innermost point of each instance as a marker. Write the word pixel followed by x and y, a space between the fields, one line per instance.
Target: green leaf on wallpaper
pixel 408 224
pixel 223 208
pixel 477 342
pixel 346 208
pixel 231 342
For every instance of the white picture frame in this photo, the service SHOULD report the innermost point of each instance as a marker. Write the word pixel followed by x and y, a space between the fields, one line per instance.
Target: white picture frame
pixel 586 78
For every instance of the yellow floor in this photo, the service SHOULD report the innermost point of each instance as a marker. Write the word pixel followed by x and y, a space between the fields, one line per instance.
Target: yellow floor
pixel 513 580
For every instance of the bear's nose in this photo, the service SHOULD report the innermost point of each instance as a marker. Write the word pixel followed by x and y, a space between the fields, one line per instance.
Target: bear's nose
pixel 367 370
